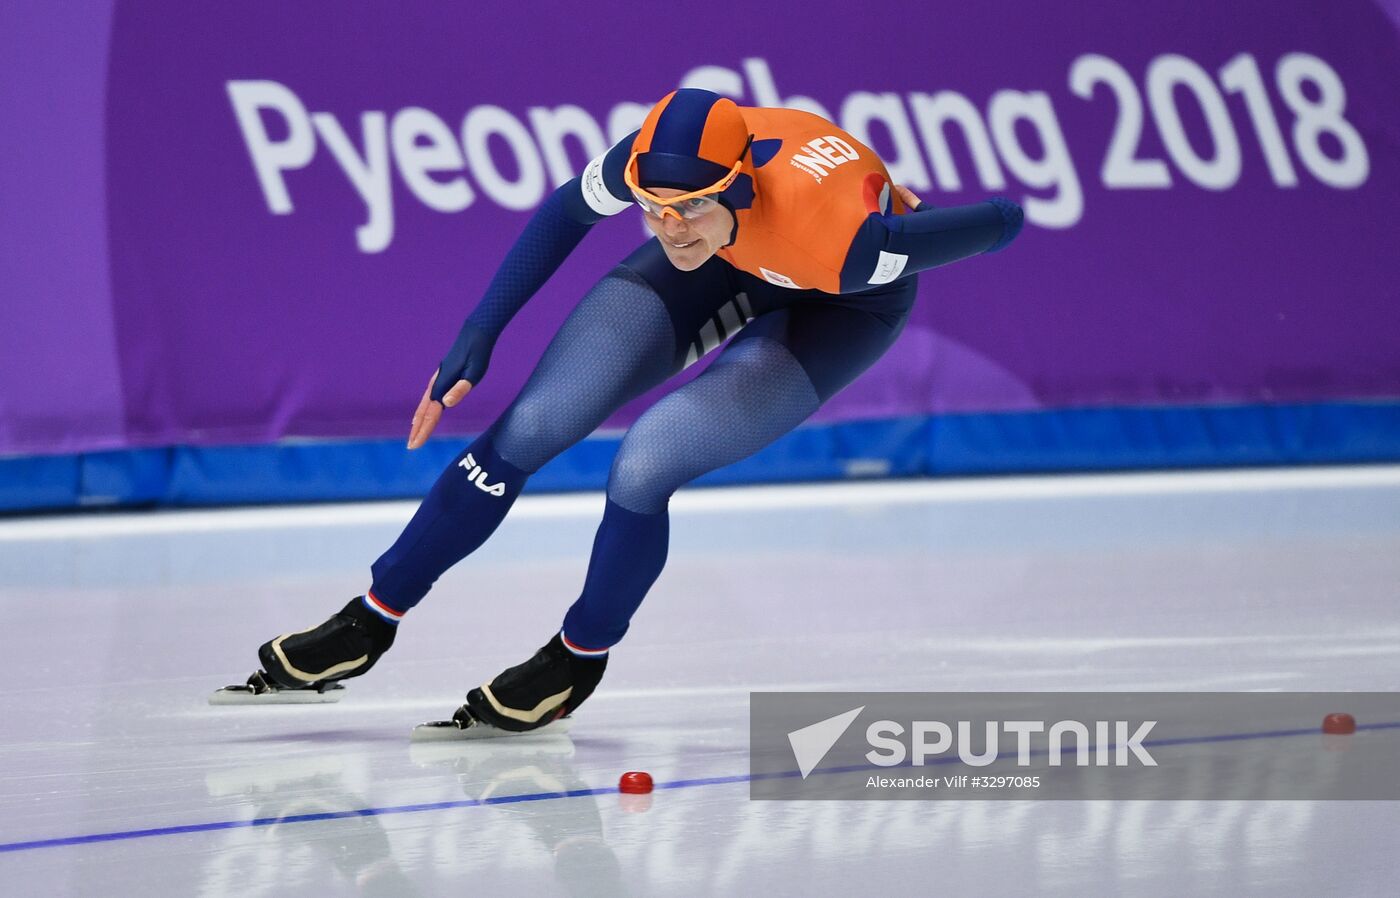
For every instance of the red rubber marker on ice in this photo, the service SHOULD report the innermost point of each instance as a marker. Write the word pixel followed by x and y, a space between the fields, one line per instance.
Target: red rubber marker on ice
pixel 635 782
pixel 1338 724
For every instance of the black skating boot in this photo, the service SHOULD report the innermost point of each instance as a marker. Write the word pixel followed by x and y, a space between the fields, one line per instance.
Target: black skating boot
pixel 345 646
pixel 545 688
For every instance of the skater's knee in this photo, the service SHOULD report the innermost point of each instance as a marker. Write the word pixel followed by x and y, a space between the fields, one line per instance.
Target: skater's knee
pixel 528 435
pixel 646 470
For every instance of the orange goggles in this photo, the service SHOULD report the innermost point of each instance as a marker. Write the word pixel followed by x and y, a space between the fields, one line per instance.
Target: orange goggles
pixel 687 206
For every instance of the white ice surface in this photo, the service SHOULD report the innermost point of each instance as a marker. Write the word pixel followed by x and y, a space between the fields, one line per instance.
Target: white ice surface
pixel 117 627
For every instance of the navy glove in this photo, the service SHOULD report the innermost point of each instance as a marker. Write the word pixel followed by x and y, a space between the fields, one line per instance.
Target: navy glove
pixel 466 360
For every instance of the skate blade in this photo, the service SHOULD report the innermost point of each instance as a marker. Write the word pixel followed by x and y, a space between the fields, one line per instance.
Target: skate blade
pixel 449 731
pixel 242 694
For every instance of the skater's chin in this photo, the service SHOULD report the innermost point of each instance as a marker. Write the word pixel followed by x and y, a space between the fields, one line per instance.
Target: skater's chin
pixel 687 258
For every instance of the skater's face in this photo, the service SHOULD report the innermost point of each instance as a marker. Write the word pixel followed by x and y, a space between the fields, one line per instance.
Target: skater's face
pixel 689 243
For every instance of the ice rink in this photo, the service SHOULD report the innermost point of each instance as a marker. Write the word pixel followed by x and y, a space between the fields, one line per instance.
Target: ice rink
pixel 119 779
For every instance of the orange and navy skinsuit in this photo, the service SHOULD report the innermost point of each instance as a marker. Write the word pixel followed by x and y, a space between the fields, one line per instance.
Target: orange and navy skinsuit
pixel 814 210
pixel 816 284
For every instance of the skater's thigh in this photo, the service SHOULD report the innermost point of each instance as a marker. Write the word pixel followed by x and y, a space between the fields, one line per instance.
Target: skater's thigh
pixel 768 379
pixel 833 343
pixel 752 394
pixel 618 342
pixel 705 306
pixel 632 329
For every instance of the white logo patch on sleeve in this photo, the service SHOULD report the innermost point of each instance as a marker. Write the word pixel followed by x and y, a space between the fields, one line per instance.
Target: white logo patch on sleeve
pixel 595 192
pixel 890 266
pixel 781 280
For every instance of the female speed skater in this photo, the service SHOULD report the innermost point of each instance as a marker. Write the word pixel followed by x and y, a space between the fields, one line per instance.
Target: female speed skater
pixel 775 231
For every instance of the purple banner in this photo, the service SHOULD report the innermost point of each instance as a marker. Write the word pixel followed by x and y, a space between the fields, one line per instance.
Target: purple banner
pixel 249 222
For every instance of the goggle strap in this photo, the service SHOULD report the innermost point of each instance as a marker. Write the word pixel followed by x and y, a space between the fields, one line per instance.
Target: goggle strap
pixel 723 183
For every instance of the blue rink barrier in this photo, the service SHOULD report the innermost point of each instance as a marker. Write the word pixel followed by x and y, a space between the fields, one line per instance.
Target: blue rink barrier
pixel 1062 440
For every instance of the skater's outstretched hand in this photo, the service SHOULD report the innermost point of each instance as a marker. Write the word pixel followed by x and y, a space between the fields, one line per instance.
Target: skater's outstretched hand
pixel 429 411
pixel 461 369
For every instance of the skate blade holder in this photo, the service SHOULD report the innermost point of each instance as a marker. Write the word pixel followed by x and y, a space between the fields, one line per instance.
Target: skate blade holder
pixel 258 691
pixel 451 731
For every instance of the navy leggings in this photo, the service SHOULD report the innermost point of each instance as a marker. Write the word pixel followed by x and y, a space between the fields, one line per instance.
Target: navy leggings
pixel 788 351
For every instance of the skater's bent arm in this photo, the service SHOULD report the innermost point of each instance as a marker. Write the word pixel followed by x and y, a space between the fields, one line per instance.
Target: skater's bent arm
pixel 927 237
pixel 556 228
